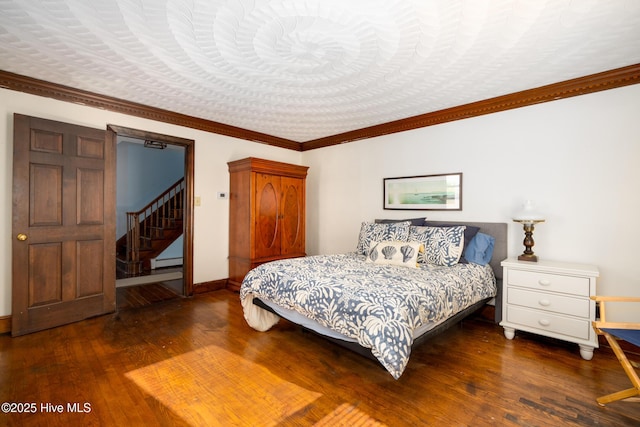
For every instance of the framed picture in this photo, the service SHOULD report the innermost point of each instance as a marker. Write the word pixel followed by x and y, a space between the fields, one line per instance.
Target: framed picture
pixel 428 192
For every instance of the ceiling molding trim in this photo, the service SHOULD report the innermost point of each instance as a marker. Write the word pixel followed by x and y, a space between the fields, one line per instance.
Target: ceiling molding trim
pixel 33 86
pixel 612 79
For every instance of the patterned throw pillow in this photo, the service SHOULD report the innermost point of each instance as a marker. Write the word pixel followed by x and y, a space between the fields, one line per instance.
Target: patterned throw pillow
pixel 372 232
pixel 395 253
pixel 469 233
pixel 442 245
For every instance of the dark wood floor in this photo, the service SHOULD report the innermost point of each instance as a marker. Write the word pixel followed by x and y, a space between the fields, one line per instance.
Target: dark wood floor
pixel 143 295
pixel 194 361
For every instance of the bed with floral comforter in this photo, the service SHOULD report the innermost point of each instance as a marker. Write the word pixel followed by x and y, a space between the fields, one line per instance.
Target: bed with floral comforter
pixel 378 305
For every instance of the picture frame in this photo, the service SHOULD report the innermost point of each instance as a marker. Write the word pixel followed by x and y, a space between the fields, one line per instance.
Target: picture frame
pixel 442 192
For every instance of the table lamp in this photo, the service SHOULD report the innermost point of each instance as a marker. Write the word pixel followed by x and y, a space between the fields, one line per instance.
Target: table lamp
pixel 528 217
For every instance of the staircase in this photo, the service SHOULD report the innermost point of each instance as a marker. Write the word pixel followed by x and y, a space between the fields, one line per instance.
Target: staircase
pixel 150 231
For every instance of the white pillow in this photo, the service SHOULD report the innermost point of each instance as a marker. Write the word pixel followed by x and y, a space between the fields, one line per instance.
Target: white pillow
pixel 395 253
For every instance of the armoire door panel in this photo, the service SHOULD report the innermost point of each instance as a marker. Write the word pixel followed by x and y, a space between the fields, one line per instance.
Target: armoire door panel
pixel 267 221
pixel 292 216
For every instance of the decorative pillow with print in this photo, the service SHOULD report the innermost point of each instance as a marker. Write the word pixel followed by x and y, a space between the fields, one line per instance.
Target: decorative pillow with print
pixel 395 253
pixel 469 233
pixel 442 245
pixel 372 232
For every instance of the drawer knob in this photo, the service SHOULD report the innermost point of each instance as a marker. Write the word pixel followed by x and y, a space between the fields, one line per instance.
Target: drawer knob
pixel 544 322
pixel 544 282
pixel 544 302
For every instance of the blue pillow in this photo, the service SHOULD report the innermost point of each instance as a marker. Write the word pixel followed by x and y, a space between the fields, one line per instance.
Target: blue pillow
pixel 480 249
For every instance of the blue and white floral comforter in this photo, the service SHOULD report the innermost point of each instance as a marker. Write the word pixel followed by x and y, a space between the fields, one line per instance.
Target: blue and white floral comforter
pixel 378 305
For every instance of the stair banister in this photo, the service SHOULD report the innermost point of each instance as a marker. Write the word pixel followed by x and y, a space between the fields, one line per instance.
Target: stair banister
pixel 142 225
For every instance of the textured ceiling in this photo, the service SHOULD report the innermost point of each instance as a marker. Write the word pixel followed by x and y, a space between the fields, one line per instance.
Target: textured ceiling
pixel 307 69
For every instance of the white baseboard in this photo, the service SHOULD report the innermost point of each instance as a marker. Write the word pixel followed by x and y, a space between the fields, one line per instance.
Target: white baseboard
pixel 167 262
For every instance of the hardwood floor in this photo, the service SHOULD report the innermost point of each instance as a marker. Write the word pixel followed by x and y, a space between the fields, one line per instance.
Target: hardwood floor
pixel 194 361
pixel 143 295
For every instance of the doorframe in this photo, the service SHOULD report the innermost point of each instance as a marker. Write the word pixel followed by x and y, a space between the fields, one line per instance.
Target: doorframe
pixel 189 146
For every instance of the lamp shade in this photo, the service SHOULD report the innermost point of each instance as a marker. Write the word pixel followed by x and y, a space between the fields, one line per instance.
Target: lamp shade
pixel 528 213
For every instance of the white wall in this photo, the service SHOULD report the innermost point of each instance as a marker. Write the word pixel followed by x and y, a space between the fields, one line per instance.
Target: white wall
pixel 212 152
pixel 576 158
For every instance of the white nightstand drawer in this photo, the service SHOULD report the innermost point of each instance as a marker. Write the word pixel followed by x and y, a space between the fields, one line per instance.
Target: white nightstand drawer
pixel 550 282
pixel 545 321
pixel 549 302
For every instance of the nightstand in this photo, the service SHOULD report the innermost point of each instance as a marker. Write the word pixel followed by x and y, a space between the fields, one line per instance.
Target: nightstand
pixel 552 299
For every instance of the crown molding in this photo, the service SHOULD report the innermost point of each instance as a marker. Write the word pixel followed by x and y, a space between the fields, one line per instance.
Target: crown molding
pixel 580 86
pixel 65 93
pixel 612 79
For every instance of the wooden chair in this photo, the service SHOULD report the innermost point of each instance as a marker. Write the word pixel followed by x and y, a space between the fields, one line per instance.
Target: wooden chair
pixel 614 331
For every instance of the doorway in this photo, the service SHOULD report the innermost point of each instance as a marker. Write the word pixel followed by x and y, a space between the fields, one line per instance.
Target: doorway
pixel 63 256
pixel 178 278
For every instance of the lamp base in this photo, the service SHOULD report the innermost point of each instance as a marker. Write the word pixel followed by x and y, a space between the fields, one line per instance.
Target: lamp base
pixel 528 242
pixel 530 258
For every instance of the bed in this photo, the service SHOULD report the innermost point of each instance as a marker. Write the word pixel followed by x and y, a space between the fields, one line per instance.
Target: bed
pixel 405 282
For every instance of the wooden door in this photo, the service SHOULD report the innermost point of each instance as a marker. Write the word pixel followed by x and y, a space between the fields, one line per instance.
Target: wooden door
pixel 63 266
pixel 267 227
pixel 292 216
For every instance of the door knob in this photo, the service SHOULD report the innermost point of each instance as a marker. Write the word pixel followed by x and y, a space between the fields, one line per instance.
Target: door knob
pixel 21 237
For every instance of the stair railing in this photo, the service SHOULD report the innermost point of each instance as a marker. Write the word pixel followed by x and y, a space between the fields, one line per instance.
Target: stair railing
pixel 142 225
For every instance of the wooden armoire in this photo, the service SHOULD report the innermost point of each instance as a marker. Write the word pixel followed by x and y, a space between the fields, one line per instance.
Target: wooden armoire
pixel 266 214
